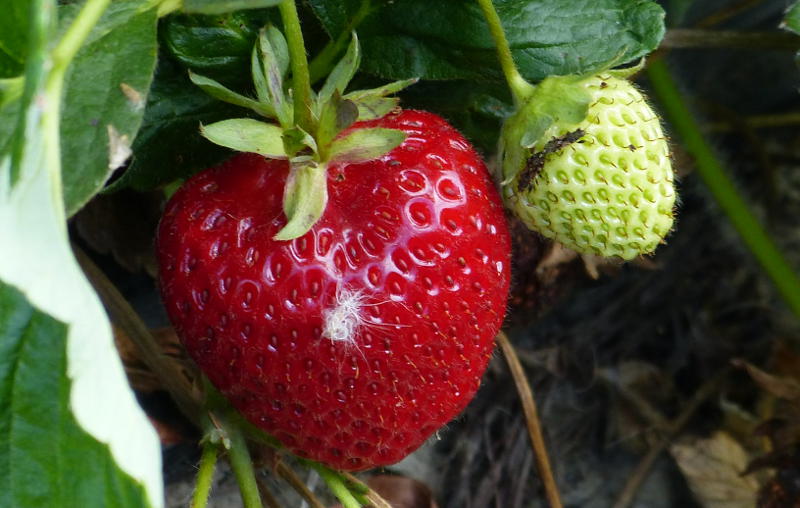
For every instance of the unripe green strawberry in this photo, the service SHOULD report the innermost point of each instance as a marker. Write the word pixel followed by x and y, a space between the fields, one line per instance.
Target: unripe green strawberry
pixel 590 169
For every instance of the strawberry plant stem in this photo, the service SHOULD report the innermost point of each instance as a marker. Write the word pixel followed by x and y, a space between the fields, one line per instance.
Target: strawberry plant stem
pixel 301 82
pixel 337 485
pixel 205 475
pixel 323 63
pixel 241 464
pixel 520 88
pixel 722 187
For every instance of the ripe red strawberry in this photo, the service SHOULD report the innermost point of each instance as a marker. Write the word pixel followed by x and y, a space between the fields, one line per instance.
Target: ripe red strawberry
pixel 356 341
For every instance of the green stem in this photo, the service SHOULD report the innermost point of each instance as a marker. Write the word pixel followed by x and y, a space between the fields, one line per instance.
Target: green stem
pixel 242 466
pixel 300 76
pixel 520 88
pixel 325 60
pixel 205 474
pixel 61 57
pixel 722 187
pixel 337 485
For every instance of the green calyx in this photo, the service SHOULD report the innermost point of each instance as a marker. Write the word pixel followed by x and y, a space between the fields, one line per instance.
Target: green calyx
pixel 310 148
pixel 585 162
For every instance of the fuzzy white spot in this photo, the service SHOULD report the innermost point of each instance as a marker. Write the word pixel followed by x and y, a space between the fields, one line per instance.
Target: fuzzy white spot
pixel 341 322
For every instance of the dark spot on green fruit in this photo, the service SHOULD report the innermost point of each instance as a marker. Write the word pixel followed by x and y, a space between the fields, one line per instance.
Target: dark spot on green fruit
pixel 535 162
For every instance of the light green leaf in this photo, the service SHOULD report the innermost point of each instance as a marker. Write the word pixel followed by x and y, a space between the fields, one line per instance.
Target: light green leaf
pixel 374 103
pixel 296 140
pixel 337 114
pixel 247 135
pixel 80 400
pixel 342 73
pixel 221 6
pixel 106 88
pixel 218 91
pixel 280 48
pixel 304 199
pixel 361 145
pixel 269 76
pixel 46 458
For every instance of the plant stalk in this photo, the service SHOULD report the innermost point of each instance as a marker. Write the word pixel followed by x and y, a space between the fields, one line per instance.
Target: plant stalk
pixel 205 475
pixel 242 465
pixel 520 88
pixel 722 187
pixel 337 485
pixel 301 81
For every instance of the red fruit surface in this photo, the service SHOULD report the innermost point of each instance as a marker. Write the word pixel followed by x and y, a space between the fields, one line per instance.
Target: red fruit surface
pixel 421 237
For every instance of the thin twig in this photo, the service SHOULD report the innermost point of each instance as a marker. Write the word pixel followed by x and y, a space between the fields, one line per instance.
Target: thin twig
pixel 532 420
pixel 123 315
pixel 266 495
pixel 375 499
pixel 298 485
pixel 687 38
pixel 642 470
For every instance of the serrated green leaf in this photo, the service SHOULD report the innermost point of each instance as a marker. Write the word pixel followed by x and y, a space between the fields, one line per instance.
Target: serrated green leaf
pixel 304 199
pixel 106 88
pixel 222 6
pixel 46 458
pixel 361 145
pixel 449 39
pixel 342 73
pixel 247 135
pixel 218 91
pixel 77 404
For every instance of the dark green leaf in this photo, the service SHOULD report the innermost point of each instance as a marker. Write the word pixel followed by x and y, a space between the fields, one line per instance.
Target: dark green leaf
pixel 449 39
pixel 216 46
pixel 169 145
pixel 13 37
pixel 106 91
pixel 46 458
pixel 222 6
